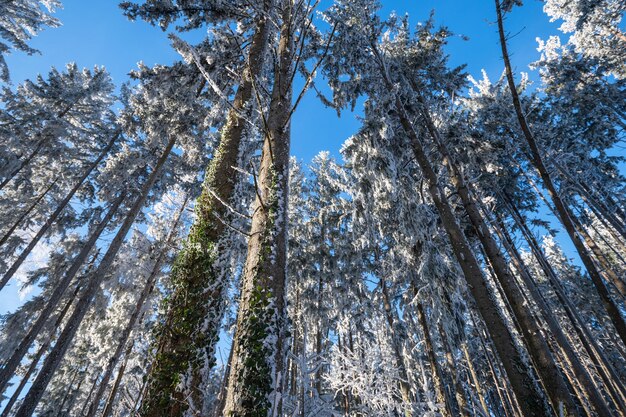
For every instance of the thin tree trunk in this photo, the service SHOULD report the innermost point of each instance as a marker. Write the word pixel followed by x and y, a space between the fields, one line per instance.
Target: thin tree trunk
pixel 91 390
pixel 562 210
pixel 53 217
pixel 42 349
pixel 132 321
pixel 593 202
pixel 56 355
pixel 476 382
pixel 108 407
pixel 15 225
pixel 454 373
pixel 570 355
pixel 23 164
pixel 521 381
pixel 256 381
pixel 192 333
pixel 534 341
pixel 22 349
pixel 405 389
pixel 601 363
pixel 435 369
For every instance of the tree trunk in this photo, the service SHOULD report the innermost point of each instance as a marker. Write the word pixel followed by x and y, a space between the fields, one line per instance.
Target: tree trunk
pixel 56 355
pixel 15 225
pixel 50 221
pixel 42 349
pixel 256 380
pixel 458 394
pixel 192 333
pixel 405 389
pixel 22 349
pixel 603 366
pixel 570 355
pixel 521 381
pixel 561 209
pixel 23 164
pixel 440 390
pixel 132 321
pixel 534 341
pixel 599 206
pixel 108 407
pixel 476 382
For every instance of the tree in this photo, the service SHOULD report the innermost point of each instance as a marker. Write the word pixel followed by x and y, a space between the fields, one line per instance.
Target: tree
pixel 21 20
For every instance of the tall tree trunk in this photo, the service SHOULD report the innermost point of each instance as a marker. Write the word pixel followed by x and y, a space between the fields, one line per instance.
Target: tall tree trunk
pixel 561 209
pixel 405 389
pixel 108 406
pixel 435 369
pixel 132 321
pixel 454 372
pixel 592 201
pixel 570 355
pixel 53 217
pixel 534 341
pixel 255 384
pixel 525 389
pixel 42 349
pixel 29 210
pixel 23 164
pixel 22 349
pixel 192 333
pixel 475 380
pixel 82 306
pixel 601 363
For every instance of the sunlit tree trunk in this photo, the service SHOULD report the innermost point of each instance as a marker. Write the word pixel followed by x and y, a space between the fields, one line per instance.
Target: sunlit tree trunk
pixel 192 332
pixel 256 380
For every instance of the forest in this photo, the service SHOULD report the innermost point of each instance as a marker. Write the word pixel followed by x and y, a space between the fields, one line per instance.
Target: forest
pixel 464 254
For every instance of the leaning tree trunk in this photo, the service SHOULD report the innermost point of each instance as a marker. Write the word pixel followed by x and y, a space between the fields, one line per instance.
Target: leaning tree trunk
pixel 532 337
pixel 22 349
pixel 24 215
pixel 82 306
pixel 522 382
pixel 256 380
pixel 437 375
pixel 42 349
pixel 53 217
pixel 601 363
pixel 130 325
pixel 25 162
pixel 571 357
pixel 562 210
pixel 190 336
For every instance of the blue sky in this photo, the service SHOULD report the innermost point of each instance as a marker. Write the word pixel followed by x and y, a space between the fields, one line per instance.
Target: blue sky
pixel 96 33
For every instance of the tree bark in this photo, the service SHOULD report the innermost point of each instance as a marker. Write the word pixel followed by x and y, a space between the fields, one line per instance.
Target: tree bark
pixel 604 368
pixel 437 377
pixel 53 217
pixel 570 355
pixel 256 380
pixel 82 306
pixel 534 341
pixel 192 333
pixel 42 349
pixel 561 209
